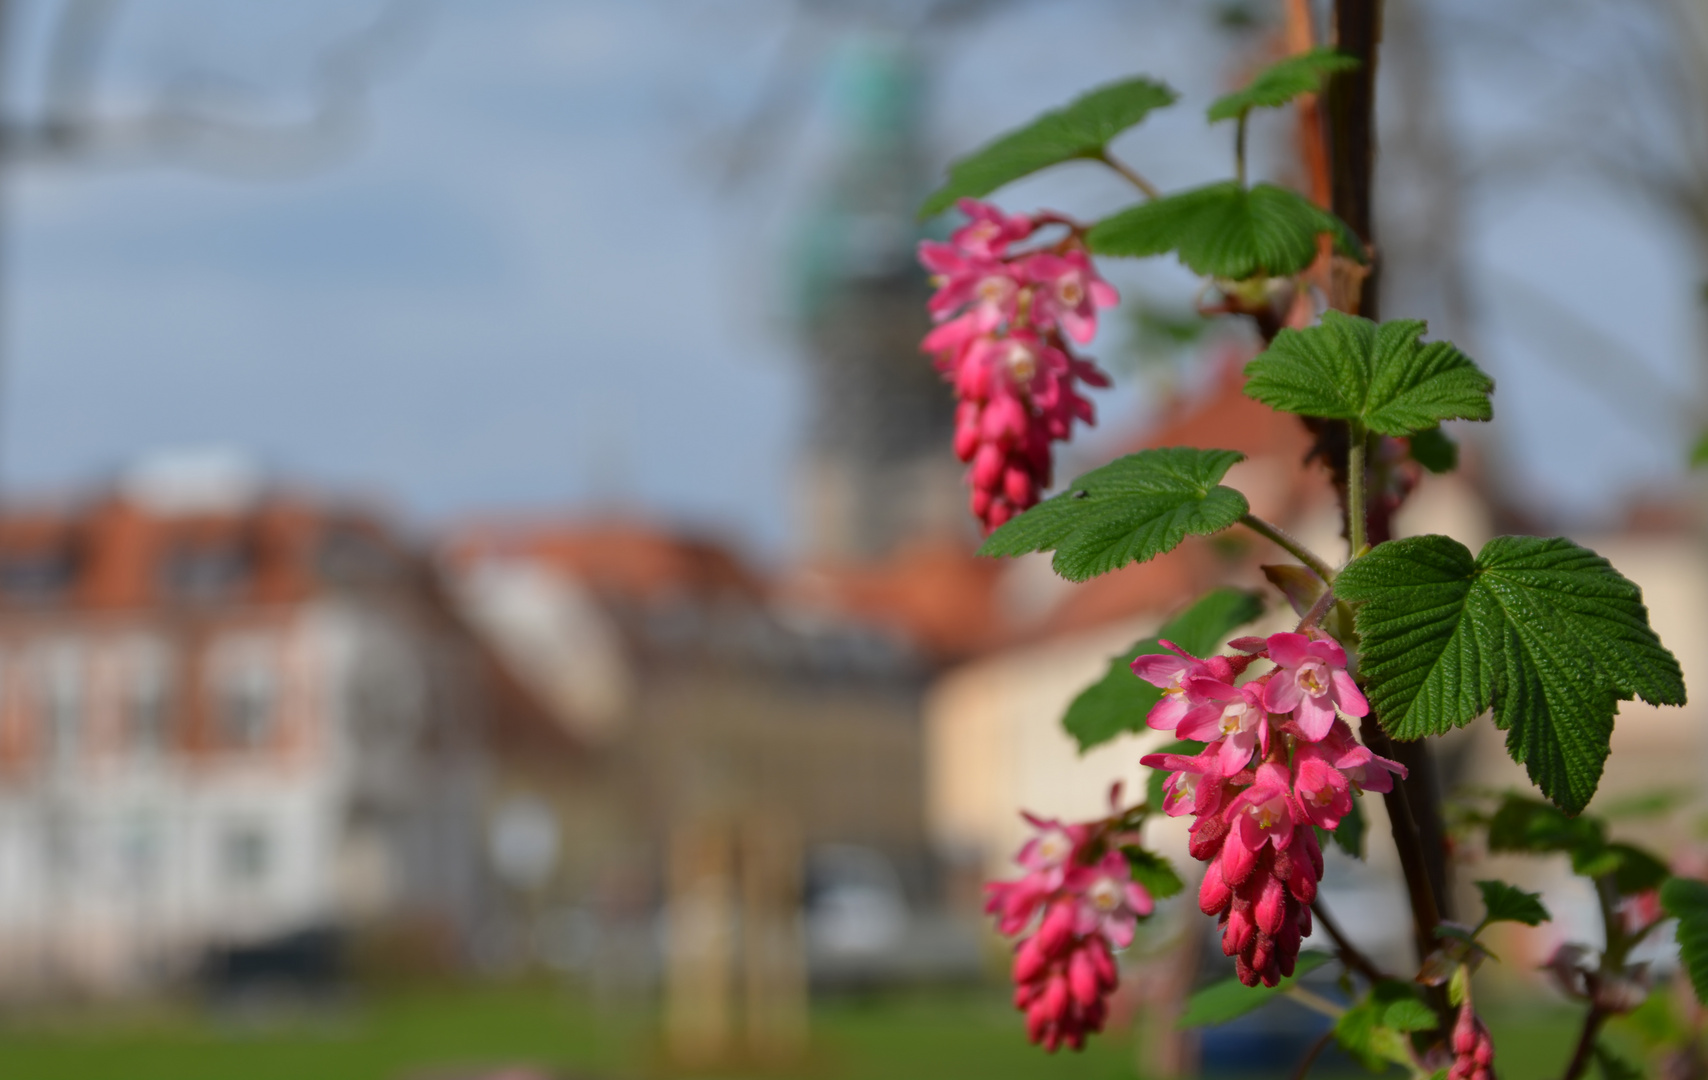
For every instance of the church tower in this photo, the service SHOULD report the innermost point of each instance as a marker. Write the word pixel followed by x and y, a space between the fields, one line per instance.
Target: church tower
pixel 877 466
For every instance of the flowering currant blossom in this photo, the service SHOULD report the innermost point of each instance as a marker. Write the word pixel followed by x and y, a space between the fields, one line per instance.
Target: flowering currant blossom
pixel 999 341
pixel 1171 673
pixel 1310 681
pixel 1278 761
pixel 1065 970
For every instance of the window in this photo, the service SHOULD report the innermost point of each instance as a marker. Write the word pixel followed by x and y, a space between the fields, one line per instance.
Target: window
pixel 347 555
pixel 36 577
pixel 245 692
pixel 146 701
pixel 59 696
pixel 140 854
pixel 244 856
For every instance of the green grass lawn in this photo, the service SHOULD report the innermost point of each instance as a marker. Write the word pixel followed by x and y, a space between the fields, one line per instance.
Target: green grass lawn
pixel 433 1032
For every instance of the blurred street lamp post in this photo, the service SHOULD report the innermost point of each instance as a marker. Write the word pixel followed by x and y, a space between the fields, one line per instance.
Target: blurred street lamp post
pixel 58 121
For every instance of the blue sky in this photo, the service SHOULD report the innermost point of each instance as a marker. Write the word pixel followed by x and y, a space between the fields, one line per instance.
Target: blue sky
pixel 523 287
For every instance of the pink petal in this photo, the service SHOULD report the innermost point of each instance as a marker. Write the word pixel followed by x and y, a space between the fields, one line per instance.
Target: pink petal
pixel 1139 899
pixel 1166 714
pixel 1329 650
pixel 1203 686
pixel 1347 695
pixel 1078 327
pixel 1119 931
pixel 1236 751
pixel 1315 717
pixel 1160 670
pixel 1203 723
pixel 1281 695
pixel 1288 649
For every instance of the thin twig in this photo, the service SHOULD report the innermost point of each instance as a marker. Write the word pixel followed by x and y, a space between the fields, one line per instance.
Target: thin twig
pixel 1311 1055
pixel 1357 485
pixel 1592 1021
pixel 1315 614
pixel 1408 844
pixel 1130 174
pixel 1349 953
pixel 1292 545
pixel 1314 1002
pixel 1612 966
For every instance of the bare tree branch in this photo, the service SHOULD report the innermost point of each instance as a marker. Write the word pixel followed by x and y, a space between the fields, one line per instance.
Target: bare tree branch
pixel 192 123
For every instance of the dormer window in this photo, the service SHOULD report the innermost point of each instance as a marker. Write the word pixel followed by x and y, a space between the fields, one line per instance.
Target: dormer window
pixel 205 572
pixel 36 577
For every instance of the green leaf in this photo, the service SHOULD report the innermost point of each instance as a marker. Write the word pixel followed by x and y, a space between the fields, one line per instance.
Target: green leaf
pixel 1509 903
pixel 1226 1000
pixel 1082 129
pixel 1402 1006
pixel 1522 824
pixel 1613 1065
pixel 1654 803
pixel 1133 509
pixel 1374 1030
pixel 1435 451
pixel 1545 632
pixel 1283 81
pixel 1638 870
pixel 1349 368
pixel 1699 452
pixel 1528 825
pixel 1687 901
pixel 1117 703
pixel 1656 1022
pixel 1223 230
pixel 1154 872
pixel 1458 984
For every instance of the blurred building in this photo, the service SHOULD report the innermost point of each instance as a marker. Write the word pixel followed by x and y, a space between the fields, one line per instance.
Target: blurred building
pixel 708 696
pixel 228 715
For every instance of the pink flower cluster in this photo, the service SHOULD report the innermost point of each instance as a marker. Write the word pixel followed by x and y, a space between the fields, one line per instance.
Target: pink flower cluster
pixel 1064 971
pixel 1001 319
pixel 1473 1047
pixel 1279 761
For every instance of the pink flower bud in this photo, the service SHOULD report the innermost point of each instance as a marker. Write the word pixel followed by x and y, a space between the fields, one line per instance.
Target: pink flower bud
pixel 1213 893
pixel 1082 978
pixel 1271 907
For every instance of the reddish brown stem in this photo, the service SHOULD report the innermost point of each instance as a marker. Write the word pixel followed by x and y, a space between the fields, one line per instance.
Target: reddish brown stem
pixel 1592 1022
pixel 1414 809
pixel 1349 953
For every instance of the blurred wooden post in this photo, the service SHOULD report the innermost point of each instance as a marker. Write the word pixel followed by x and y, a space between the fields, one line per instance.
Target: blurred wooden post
pixel 1162 984
pixel 700 949
pixel 772 955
